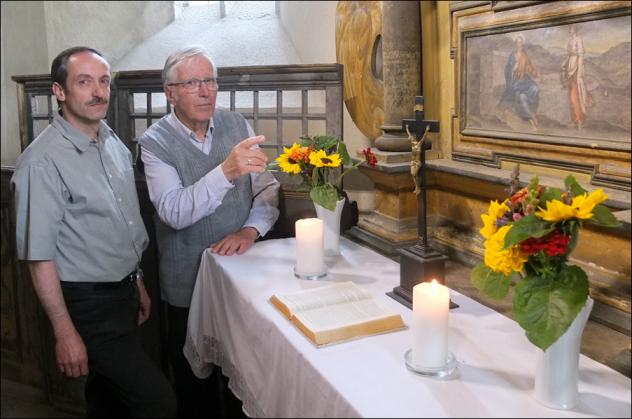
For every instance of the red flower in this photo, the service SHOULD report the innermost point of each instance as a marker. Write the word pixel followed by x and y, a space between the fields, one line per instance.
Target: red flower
pixel 370 158
pixel 558 244
pixel 554 244
pixel 519 195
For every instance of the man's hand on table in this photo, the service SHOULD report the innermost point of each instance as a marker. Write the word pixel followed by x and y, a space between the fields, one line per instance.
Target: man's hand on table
pixel 236 242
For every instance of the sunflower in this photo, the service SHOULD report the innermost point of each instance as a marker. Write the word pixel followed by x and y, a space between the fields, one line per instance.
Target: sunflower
pixel 500 259
pixel 494 212
pixel 586 204
pixel 321 159
pixel 288 161
pixel 556 211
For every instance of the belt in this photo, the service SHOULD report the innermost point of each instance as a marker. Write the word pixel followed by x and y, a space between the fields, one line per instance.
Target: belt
pixel 128 279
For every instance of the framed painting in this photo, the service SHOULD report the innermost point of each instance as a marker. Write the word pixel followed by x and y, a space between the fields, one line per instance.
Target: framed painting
pixel 553 73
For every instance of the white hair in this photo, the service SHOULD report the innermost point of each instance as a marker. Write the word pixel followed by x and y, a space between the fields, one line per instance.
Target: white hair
pixel 183 54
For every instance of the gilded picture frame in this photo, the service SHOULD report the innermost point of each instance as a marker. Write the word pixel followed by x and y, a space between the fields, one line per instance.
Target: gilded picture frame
pixel 498 6
pixel 549 74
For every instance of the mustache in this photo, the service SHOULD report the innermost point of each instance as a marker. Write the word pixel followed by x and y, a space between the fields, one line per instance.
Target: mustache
pixel 97 101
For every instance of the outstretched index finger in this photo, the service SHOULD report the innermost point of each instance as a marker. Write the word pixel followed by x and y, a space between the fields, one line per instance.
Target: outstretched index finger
pixel 252 141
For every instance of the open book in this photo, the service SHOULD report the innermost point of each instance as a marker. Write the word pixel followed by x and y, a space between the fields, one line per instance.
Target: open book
pixel 336 312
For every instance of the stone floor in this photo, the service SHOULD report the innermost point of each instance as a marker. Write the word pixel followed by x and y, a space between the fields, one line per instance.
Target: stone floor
pixel 21 401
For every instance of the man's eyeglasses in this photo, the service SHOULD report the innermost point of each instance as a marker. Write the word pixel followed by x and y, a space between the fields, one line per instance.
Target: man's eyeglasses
pixel 193 85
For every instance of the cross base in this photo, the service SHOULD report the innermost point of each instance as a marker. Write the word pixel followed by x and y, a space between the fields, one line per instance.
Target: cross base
pixel 418 264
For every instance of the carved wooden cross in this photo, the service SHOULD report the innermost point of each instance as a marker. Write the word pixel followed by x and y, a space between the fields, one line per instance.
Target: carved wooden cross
pixel 419 263
pixel 419 127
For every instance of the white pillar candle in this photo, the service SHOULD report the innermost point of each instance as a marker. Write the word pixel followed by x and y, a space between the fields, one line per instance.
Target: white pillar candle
pixel 431 303
pixel 310 257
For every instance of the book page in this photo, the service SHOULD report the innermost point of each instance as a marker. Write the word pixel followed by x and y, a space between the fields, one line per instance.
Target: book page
pixel 342 315
pixel 327 295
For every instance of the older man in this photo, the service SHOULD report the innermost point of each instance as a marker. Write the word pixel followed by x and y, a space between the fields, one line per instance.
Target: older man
pixel 79 227
pixel 206 178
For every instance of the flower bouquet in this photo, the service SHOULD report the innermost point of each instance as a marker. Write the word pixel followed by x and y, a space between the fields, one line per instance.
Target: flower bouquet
pixel 529 238
pixel 320 161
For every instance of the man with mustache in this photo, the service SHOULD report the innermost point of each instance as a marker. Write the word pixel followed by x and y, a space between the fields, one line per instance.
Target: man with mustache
pixel 206 177
pixel 79 227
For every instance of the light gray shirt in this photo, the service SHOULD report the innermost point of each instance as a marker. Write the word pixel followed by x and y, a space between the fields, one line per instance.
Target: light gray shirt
pixel 181 207
pixel 76 204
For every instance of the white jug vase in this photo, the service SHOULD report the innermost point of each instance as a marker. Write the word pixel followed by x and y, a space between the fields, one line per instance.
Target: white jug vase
pixel 557 368
pixel 331 221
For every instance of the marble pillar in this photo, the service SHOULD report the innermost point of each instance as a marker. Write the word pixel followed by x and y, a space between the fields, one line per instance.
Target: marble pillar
pixel 401 63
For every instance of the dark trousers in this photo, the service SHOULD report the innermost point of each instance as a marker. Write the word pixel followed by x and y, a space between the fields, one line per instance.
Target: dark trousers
pixel 209 397
pixel 123 380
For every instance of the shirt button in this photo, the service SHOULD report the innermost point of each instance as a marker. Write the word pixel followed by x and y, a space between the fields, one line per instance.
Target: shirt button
pixel 130 222
pixel 120 200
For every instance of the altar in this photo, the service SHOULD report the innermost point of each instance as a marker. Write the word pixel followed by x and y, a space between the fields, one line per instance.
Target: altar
pixel 277 372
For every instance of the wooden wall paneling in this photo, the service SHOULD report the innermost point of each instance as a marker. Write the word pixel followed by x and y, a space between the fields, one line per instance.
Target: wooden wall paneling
pixel 21 322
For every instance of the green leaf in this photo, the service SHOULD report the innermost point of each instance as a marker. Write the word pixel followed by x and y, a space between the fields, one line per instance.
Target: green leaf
pixel 533 183
pixel 315 177
pixel 325 196
pixel 546 307
pixel 344 154
pixel 491 283
pixel 550 194
pixel 573 186
pixel 272 166
pixel 527 227
pixel 574 232
pixel 306 141
pixel 602 216
pixel 325 142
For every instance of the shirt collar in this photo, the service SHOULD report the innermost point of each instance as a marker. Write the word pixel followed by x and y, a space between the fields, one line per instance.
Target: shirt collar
pixel 176 123
pixel 79 139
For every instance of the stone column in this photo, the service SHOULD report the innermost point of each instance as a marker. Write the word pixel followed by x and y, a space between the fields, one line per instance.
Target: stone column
pixel 401 63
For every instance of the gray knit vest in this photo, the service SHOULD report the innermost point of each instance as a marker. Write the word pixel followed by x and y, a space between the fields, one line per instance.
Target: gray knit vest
pixel 180 251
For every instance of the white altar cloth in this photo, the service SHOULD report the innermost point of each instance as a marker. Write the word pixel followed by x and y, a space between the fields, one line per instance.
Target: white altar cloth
pixel 277 372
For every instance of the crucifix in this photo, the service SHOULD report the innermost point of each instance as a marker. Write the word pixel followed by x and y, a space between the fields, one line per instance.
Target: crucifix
pixel 419 263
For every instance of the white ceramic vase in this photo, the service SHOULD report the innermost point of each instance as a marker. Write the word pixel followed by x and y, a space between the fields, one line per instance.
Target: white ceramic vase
pixel 331 221
pixel 556 369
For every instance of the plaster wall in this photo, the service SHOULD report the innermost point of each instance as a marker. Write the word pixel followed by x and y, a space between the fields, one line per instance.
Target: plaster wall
pixel 24 51
pixel 311 25
pixel 34 32
pixel 243 37
pixel 110 26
